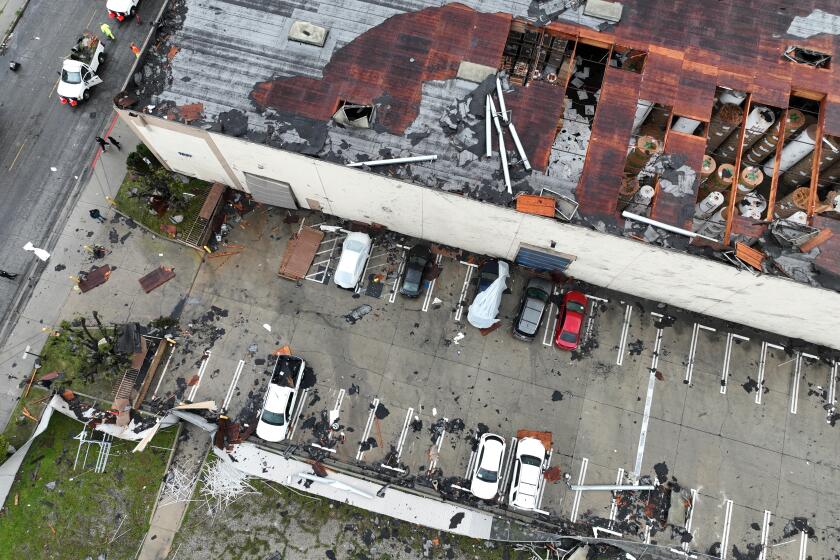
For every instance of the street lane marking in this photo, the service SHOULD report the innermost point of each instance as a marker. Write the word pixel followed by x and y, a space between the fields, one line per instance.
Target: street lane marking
pixel 690 518
pixel 762 366
pixel 18 155
pixel 464 289
pixel 233 383
pixel 765 533
pixel 202 368
pixel 614 505
pixel 584 463
pixel 625 328
pixel 803 545
pixel 832 384
pixel 549 333
pixel 393 295
pixel 654 362
pixel 727 356
pixel 368 426
pixel 428 299
pixel 727 525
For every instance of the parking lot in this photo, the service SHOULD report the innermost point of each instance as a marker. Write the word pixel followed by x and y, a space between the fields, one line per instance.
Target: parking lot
pixel 736 423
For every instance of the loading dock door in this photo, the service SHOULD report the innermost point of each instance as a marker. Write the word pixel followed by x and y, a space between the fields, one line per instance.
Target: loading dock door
pixel 544 260
pixel 269 191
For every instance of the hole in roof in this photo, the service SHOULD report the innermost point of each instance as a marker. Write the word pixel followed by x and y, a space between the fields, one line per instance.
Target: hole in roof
pixel 354 115
pixel 810 57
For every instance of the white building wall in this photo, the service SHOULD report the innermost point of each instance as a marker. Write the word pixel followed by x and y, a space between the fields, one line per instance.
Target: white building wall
pixel 673 277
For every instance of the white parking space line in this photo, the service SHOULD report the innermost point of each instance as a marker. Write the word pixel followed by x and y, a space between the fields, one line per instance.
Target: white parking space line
pixel 548 335
pixel 654 363
pixel 625 328
pixel 803 545
pixel 323 257
pixel 233 383
pixel 542 489
pixel 434 460
pixel 169 359
pixel 584 463
pixel 464 288
pixel 293 423
pixel 393 295
pixel 368 426
pixel 762 366
pixel 689 519
pixel 507 465
pixel 596 298
pixel 363 277
pixel 794 390
pixel 428 299
pixel 727 356
pixel 832 384
pixel 647 534
pixel 765 534
pixel 692 351
pixel 727 526
pixel 470 465
pixel 201 370
pixel 408 414
pixel 614 505
pixel 338 400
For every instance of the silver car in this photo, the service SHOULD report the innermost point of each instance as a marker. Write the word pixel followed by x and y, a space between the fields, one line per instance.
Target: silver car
pixel 532 309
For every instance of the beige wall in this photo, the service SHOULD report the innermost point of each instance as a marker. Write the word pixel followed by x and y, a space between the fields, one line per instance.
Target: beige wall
pixel 695 283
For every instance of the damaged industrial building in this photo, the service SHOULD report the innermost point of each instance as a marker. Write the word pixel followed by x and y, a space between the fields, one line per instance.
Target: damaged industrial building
pixel 663 149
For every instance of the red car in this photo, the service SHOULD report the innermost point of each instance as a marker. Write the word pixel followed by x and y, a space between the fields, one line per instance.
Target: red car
pixel 570 321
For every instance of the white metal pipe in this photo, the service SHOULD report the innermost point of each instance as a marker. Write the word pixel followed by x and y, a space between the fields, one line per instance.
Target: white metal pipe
pixel 686 125
pixel 519 147
pixel 666 227
pixel 496 120
pixel 799 147
pixel 502 150
pixel 411 159
pixel 488 142
pixel 502 106
pixel 610 487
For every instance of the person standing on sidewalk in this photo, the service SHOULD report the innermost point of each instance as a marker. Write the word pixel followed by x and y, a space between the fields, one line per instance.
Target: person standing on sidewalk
pixel 106 29
pixel 102 143
pixel 97 215
pixel 135 49
pixel 114 143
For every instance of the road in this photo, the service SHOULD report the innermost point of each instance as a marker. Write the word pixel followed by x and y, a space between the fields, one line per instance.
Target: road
pixel 46 147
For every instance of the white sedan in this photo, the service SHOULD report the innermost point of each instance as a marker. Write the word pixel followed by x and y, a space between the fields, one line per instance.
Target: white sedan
pixel 527 477
pixel 354 255
pixel 280 399
pixel 488 463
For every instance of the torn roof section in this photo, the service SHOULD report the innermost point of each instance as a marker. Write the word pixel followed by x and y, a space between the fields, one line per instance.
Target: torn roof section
pixel 411 72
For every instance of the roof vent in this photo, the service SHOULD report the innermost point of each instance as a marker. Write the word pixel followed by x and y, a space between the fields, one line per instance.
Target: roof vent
pixel 356 116
pixel 305 32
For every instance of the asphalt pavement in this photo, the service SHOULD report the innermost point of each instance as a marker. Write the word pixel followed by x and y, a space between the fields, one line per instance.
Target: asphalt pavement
pixel 46 148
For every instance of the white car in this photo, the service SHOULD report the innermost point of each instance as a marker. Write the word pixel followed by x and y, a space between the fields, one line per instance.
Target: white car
pixel 488 463
pixel 354 255
pixel 280 399
pixel 527 475
pixel 121 9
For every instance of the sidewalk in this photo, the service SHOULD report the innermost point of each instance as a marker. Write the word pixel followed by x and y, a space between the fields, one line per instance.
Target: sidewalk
pixel 134 252
pixel 11 9
pixel 190 451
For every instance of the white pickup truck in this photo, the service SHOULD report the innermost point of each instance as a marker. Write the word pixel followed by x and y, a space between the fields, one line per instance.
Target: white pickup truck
pixel 78 72
pixel 121 9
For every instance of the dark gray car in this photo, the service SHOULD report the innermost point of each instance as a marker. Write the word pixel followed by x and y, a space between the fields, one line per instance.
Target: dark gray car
pixel 532 309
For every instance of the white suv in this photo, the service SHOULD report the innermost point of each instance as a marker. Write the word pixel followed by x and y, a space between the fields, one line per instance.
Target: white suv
pixel 280 399
pixel 527 476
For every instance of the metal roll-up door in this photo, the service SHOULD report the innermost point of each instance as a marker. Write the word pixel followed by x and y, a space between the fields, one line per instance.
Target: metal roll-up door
pixel 544 260
pixel 270 191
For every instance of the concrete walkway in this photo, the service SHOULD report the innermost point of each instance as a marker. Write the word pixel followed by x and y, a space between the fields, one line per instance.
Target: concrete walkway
pixel 190 451
pixel 134 253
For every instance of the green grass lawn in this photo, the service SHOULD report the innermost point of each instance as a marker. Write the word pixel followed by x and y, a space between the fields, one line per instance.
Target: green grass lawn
pixel 81 515
pixel 138 209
